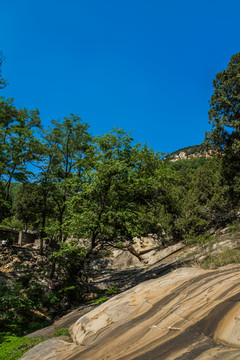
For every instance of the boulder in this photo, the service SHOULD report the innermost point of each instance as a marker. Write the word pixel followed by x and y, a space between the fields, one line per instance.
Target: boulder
pixel 155 256
pixel 120 259
pixel 123 259
pixel 142 245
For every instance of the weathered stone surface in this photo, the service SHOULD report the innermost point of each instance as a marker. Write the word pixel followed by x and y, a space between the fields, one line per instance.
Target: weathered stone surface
pixel 123 259
pixel 142 245
pixel 52 349
pixel 189 314
pixel 120 259
pixel 155 256
pixel 186 314
pixel 64 322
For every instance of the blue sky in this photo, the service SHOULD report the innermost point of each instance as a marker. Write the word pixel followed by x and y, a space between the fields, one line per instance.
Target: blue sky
pixel 145 66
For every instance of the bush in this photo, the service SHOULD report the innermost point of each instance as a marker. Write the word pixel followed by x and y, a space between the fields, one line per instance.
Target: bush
pixel 198 239
pixel 12 347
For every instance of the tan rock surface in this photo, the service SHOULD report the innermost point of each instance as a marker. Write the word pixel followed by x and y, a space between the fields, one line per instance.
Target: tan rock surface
pixel 142 245
pixel 52 349
pixel 189 314
pixel 122 259
pixel 155 256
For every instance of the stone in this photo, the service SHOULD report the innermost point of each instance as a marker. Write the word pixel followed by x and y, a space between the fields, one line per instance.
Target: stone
pixel 186 312
pixel 52 349
pixel 155 256
pixel 189 313
pixel 118 259
pixel 142 245
pixel 123 259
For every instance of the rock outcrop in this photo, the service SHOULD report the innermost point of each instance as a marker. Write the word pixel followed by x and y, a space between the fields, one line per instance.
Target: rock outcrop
pixel 188 314
pixel 147 250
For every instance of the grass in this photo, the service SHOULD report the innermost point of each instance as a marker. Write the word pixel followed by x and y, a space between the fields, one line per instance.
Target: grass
pixel 112 290
pixel 229 256
pixel 98 301
pixel 61 332
pixel 13 347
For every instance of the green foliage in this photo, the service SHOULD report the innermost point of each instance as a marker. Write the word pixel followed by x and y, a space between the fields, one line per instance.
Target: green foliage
pixel 112 290
pixel 29 204
pixel 69 257
pixel 225 104
pixel 226 257
pixel 235 227
pixel 107 252
pixel 12 347
pixel 20 302
pixel 107 190
pixel 52 299
pixel 206 202
pixel 14 304
pixel 190 150
pixel 119 245
pixel 18 147
pixel 61 332
pixel 117 194
pixel 3 82
pixel 189 166
pixel 12 223
pixel 198 239
pixel 68 288
pixel 66 148
pixel 100 300
pixel 225 120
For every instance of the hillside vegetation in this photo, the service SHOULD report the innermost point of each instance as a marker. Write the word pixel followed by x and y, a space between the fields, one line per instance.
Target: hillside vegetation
pixel 82 193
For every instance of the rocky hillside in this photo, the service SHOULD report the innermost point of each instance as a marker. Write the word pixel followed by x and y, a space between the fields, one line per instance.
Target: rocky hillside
pixel 190 152
pixel 186 314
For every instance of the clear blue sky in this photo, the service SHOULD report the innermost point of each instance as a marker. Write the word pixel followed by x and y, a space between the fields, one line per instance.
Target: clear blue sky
pixel 145 66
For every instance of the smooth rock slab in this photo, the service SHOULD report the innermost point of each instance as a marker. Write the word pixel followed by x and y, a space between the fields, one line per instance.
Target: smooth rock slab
pixel 52 349
pixel 189 314
pixel 155 256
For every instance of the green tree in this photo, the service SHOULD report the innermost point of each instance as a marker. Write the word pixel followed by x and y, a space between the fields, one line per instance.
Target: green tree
pixel 29 205
pixel 206 202
pixel 3 82
pixel 66 150
pixel 66 147
pixel 18 146
pixel 117 197
pixel 224 113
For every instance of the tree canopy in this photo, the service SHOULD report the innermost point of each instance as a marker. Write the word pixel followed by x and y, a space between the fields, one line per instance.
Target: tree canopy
pixel 224 113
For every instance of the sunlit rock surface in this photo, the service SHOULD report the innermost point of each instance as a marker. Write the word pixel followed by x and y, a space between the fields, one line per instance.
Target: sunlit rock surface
pixel 189 314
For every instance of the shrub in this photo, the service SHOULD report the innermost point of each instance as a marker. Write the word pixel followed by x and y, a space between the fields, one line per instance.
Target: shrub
pixel 13 347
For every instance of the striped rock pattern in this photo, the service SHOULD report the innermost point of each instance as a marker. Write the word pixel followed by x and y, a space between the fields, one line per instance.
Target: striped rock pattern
pixel 189 314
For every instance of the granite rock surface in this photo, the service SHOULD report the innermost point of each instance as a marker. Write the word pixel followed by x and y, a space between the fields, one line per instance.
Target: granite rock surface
pixel 188 314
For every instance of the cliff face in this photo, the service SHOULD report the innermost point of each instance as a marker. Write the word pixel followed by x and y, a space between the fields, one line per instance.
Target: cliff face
pixel 187 314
